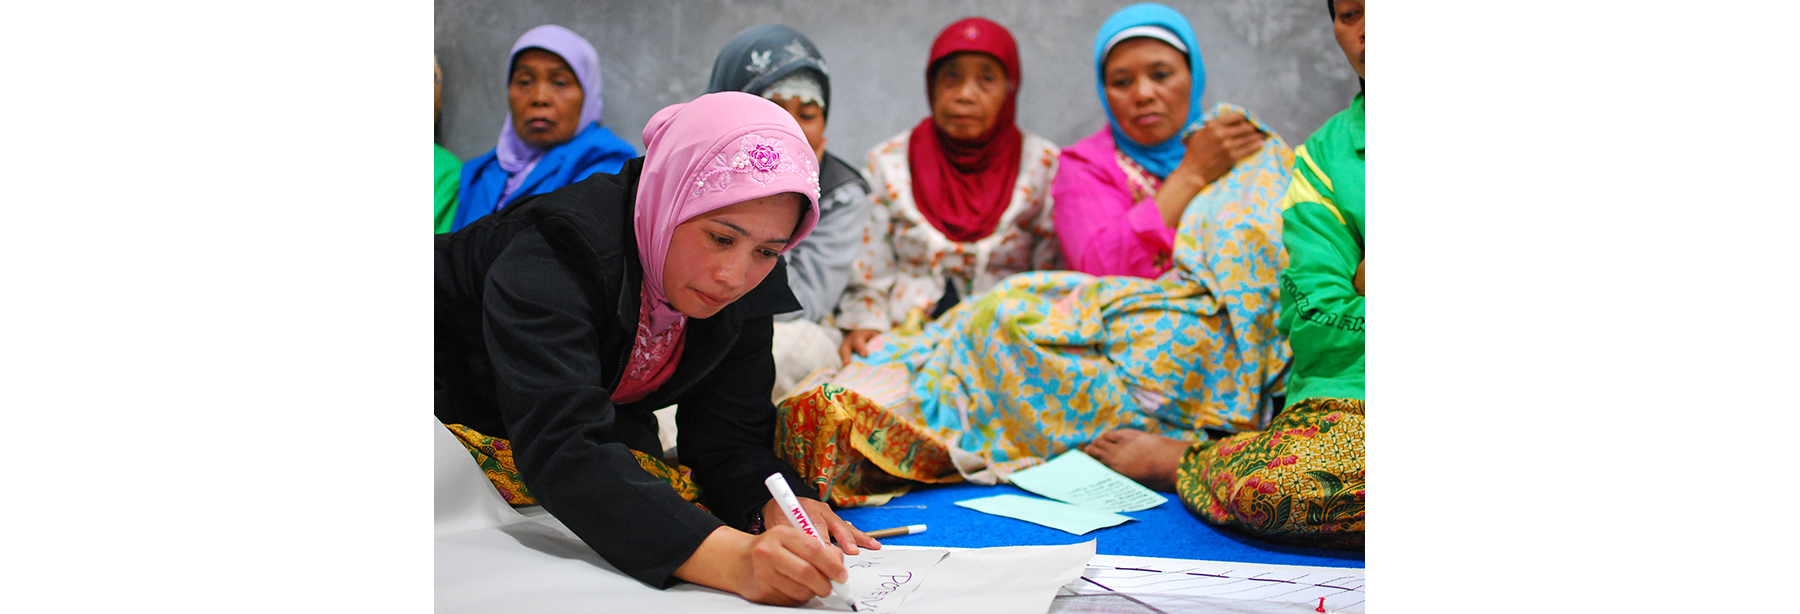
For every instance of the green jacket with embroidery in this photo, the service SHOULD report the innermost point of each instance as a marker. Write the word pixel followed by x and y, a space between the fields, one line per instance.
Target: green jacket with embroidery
pixel 1322 227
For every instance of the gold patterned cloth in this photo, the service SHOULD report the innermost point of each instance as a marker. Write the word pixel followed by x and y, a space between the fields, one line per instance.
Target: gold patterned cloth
pixel 1299 481
pixel 495 456
pixel 856 451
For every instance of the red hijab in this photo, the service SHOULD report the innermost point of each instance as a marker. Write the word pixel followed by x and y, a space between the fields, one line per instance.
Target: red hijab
pixel 962 187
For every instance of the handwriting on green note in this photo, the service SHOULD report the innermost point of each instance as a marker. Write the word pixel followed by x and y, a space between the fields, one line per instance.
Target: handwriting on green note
pixel 1078 479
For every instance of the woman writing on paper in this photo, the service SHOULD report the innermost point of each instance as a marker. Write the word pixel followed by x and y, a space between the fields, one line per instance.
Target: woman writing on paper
pixel 564 320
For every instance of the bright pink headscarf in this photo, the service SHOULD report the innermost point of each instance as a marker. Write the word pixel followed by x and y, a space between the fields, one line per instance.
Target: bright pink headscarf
pixel 717 151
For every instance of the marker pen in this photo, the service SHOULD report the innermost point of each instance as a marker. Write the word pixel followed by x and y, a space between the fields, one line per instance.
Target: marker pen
pixel 784 496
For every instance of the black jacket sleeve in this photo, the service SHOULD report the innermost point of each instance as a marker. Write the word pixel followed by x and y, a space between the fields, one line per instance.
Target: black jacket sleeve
pixel 725 428
pixel 546 350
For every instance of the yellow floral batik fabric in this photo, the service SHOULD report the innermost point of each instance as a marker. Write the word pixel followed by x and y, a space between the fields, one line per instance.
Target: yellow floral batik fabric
pixel 1046 361
pixel 495 456
pixel 1300 481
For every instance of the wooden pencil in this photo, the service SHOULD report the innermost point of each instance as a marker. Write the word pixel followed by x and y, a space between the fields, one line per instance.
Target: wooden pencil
pixel 906 530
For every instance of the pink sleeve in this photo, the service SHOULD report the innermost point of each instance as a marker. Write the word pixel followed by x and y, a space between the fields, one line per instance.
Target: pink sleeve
pixel 1101 230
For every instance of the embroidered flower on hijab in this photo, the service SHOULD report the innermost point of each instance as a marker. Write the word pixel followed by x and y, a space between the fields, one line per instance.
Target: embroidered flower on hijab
pixel 763 157
pixel 759 158
pixel 796 51
pixel 759 60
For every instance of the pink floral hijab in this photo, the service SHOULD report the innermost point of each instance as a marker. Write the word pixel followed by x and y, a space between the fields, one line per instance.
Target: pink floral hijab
pixel 717 151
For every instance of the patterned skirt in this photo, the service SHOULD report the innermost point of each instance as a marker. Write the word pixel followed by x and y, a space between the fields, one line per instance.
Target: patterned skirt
pixel 495 456
pixel 856 451
pixel 1300 481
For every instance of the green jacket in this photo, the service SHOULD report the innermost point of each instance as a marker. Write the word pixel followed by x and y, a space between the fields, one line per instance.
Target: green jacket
pixel 449 171
pixel 1322 227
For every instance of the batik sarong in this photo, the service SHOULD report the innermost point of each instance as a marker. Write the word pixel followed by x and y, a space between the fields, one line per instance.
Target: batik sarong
pixel 1299 481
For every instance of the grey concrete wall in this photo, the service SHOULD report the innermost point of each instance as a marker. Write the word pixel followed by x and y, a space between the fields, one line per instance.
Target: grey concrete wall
pixel 1275 57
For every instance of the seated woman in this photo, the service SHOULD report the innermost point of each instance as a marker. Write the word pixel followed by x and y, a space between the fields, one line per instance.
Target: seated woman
pixel 1047 361
pixel 565 320
pixel 782 65
pixel 1301 479
pixel 959 198
pixel 1119 193
pixel 552 136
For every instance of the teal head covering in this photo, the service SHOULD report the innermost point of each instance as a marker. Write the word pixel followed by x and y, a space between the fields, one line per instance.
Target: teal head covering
pixel 1158 158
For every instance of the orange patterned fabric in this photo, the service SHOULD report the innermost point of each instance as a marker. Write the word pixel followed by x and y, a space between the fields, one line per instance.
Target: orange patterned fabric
pixel 1299 481
pixel 495 456
pixel 855 451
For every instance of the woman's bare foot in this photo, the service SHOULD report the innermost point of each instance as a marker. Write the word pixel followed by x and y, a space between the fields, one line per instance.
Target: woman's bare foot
pixel 1152 460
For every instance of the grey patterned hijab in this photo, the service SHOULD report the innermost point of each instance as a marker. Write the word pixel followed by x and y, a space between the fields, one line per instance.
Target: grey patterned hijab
pixel 758 57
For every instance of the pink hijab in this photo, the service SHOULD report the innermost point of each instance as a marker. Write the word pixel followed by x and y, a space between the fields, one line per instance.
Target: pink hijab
pixel 717 151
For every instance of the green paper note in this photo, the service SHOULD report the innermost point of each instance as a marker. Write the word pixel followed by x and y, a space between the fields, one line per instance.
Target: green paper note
pixel 1060 516
pixel 1078 479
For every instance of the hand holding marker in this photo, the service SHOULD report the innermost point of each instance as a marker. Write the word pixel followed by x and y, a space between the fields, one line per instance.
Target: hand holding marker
pixel 784 496
pixel 790 505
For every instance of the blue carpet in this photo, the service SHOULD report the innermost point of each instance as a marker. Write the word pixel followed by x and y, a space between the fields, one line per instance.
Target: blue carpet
pixel 1168 530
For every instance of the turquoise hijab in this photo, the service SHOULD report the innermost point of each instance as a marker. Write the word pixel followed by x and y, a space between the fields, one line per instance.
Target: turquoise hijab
pixel 1158 158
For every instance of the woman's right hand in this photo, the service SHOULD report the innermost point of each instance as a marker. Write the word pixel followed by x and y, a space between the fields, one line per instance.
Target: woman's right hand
pixel 1211 152
pixel 781 567
pixel 1217 146
pixel 856 342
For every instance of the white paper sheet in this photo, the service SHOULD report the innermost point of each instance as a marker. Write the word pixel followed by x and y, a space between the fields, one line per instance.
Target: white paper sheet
pixel 1179 586
pixel 881 579
pixel 1009 580
pixel 490 558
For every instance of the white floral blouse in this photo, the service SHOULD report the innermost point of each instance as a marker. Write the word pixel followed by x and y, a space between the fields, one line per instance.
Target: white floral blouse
pixel 904 261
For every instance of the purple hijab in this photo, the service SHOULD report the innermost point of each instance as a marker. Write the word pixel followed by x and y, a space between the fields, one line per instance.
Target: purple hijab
pixel 517 158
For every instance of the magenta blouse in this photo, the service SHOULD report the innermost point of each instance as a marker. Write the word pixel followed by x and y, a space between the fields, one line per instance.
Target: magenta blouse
pixel 1107 223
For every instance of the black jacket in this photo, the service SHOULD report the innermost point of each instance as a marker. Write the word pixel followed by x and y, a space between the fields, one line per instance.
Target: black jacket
pixel 537 309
